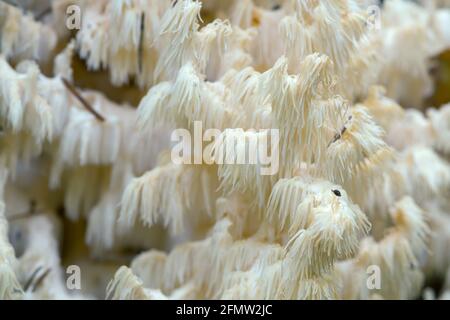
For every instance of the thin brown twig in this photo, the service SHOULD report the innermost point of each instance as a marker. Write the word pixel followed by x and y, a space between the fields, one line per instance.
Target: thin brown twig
pixel 31 278
pixel 141 42
pixel 85 104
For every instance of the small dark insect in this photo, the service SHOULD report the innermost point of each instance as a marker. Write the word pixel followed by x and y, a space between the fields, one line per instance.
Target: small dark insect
pixel 337 192
pixel 141 42
pixel 276 7
pixel 338 135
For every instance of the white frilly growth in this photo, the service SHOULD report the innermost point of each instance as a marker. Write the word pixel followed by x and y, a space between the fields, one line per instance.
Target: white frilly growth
pixel 101 231
pixel 412 221
pixel 413 128
pixel 254 268
pixel 154 107
pixel 243 166
pixel 410 36
pixel 385 111
pixel 60 100
pixel 212 44
pixel 40 264
pixel 131 53
pixel 236 56
pixel 183 271
pixel 397 256
pixel 120 35
pixel 337 29
pixel 409 174
pixel 248 268
pixel 158 193
pixel 63 62
pixel 22 37
pixel 85 151
pixel 92 40
pixel 172 194
pixel 149 266
pixel 22 107
pixel 332 28
pixel 322 224
pixel 176 37
pixel 180 40
pixel 183 101
pixel 422 180
pixel 10 287
pixel 126 286
pixel 254 218
pixel 187 92
pixel 25 116
pixel 87 141
pixel 137 154
pixel 356 154
pixel 243 96
pixel 292 95
pixel 300 107
pixel 440 121
pixel 439 257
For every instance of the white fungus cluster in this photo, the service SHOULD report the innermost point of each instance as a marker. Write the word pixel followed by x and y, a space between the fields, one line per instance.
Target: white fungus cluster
pixel 362 176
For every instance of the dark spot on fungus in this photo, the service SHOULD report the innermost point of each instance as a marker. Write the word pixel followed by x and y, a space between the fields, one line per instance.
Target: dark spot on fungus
pixel 276 7
pixel 337 192
pixel 256 21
